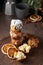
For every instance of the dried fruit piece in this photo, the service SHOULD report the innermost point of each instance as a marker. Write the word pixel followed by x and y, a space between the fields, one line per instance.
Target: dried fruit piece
pixel 11 51
pixel 5 47
pixel 34 17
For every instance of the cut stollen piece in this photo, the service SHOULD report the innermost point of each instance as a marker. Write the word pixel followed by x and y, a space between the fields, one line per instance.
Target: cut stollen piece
pixel 19 55
pixel 25 48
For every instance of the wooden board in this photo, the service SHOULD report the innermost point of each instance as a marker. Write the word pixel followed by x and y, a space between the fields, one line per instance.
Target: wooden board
pixel 35 57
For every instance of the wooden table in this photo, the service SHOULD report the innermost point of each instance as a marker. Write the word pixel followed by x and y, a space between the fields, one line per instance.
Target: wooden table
pixel 36 57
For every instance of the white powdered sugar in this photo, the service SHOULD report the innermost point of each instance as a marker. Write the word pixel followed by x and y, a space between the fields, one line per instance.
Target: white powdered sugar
pixel 17 23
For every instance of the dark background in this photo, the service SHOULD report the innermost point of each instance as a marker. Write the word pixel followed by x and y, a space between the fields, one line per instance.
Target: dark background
pixel 2 3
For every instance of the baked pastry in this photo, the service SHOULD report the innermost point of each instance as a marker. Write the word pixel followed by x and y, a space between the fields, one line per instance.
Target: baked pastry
pixel 25 48
pixel 33 42
pixel 18 41
pixel 15 42
pixel 15 34
pixel 19 56
pixel 16 25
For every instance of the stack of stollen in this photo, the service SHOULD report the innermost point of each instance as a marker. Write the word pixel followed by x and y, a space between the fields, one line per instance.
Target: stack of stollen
pixel 21 44
pixel 10 49
pixel 15 31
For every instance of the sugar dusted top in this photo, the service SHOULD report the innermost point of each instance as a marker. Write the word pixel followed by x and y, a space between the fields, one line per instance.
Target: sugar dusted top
pixel 17 24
